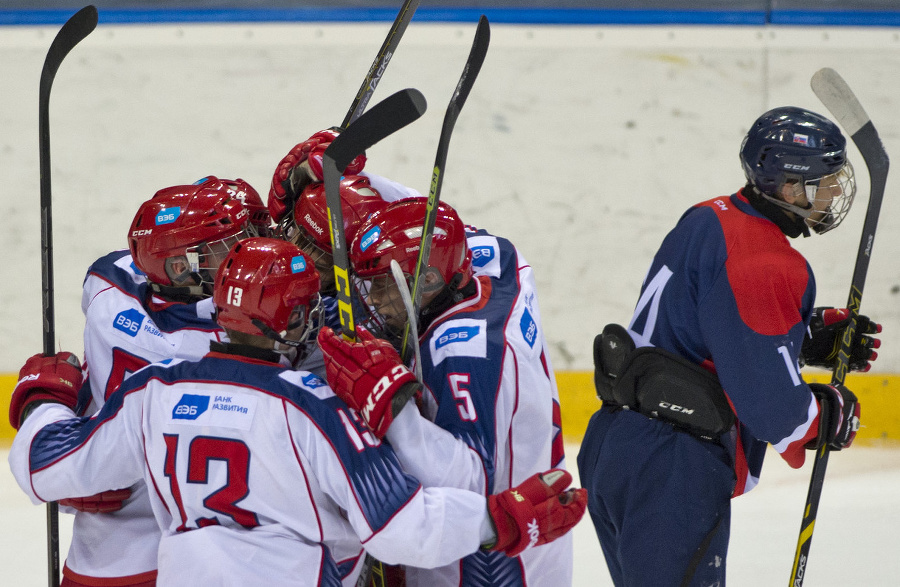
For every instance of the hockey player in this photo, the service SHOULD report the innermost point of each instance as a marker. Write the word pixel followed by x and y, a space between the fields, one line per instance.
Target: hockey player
pixel 707 373
pixel 261 474
pixel 142 305
pixel 489 399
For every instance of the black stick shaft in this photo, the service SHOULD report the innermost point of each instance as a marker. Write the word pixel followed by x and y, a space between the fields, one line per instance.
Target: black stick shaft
pixel 72 32
pixel 463 87
pixel 843 104
pixel 376 70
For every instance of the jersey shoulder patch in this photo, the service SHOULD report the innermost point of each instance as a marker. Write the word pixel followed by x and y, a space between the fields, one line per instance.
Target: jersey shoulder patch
pixel 463 337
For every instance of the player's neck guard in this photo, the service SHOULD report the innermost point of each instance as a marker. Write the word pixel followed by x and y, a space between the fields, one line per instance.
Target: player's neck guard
pixel 186 294
pixel 245 350
pixel 792 226
pixel 449 296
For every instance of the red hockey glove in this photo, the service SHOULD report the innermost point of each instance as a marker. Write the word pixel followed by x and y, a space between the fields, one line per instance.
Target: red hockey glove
pixel 45 379
pixel 538 511
pixel 368 375
pixel 300 167
pixel 838 416
pixel 827 326
pixel 102 503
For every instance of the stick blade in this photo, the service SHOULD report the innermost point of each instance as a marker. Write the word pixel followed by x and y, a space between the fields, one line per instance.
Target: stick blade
pixel 833 91
pixel 479 50
pixel 382 120
pixel 79 26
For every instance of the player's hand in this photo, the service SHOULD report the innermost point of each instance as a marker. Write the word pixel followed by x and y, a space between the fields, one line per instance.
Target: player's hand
pixel 838 416
pixel 301 167
pixel 538 511
pixel 368 375
pixel 101 503
pixel 827 327
pixel 45 379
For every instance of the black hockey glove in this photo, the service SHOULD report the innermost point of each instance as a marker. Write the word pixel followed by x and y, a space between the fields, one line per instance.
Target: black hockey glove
pixel 826 326
pixel 838 416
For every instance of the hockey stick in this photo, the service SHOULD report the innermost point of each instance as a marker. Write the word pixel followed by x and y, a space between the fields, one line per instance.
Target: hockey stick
pixel 381 62
pixel 384 119
pixel 470 72
pixel 373 76
pixel 837 96
pixel 412 320
pixel 79 26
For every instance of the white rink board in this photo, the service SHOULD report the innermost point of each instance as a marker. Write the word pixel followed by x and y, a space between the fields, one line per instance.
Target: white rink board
pixel 581 144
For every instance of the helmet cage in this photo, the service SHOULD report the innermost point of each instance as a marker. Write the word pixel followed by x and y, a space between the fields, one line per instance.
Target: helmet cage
pixel 204 258
pixel 386 321
pixel 828 211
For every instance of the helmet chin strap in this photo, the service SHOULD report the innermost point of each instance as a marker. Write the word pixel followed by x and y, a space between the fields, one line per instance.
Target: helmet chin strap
pixel 181 293
pixel 294 351
pixel 774 209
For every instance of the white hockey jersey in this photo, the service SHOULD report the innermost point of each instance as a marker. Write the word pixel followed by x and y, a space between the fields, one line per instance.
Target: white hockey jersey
pixel 124 331
pixel 491 410
pixel 260 475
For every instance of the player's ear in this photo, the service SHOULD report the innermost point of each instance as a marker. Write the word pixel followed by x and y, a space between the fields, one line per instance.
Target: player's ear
pixel 178 269
pixel 432 281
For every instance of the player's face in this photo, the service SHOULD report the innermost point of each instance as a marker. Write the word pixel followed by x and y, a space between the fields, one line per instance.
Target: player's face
pixel 829 189
pixel 384 296
pixel 323 261
pixel 296 324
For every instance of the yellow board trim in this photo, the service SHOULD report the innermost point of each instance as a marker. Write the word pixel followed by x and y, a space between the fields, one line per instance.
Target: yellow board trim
pixel 877 392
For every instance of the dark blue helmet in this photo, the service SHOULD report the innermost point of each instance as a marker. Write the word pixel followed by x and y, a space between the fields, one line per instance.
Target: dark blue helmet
pixel 790 145
pixel 790 142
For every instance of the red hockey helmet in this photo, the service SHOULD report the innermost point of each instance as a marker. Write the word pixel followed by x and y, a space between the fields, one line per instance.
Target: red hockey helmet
pixel 260 285
pixel 198 223
pixel 359 200
pixel 396 233
pixel 249 197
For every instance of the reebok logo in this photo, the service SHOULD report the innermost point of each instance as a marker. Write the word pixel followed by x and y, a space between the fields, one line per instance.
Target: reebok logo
pixel 312 224
pixel 534 532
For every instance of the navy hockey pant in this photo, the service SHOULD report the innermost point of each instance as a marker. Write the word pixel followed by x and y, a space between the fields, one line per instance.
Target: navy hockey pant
pixel 654 495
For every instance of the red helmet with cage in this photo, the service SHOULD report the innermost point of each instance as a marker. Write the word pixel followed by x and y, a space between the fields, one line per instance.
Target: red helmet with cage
pixel 359 200
pixel 396 233
pixel 261 283
pixel 249 197
pixel 198 223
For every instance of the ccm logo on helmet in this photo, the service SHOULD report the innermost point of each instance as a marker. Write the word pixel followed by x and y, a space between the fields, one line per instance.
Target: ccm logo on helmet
pixel 795 167
pixel 143 232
